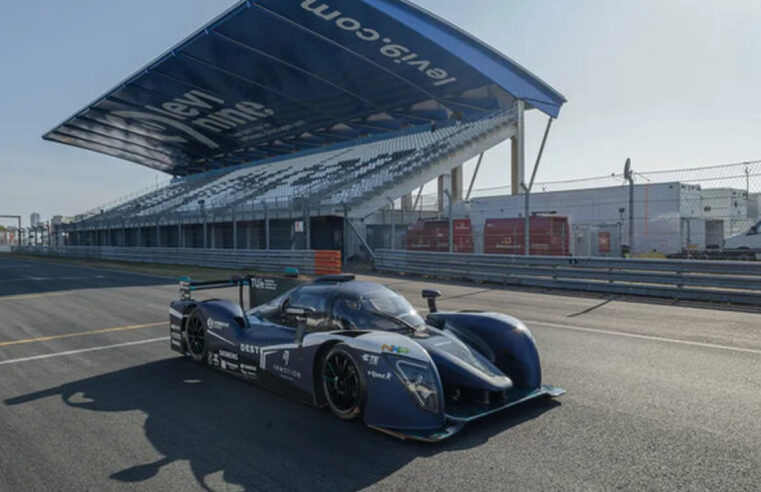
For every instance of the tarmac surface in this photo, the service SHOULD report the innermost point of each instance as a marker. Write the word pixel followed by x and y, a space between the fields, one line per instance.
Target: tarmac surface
pixel 91 398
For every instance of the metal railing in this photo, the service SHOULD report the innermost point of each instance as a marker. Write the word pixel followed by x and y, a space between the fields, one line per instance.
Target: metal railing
pixel 715 281
pixel 308 262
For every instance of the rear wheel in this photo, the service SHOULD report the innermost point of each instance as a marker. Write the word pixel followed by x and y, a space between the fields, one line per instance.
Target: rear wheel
pixel 195 336
pixel 342 383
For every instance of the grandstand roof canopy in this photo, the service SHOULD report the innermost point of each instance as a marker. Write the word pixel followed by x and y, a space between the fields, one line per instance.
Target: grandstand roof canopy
pixel 272 77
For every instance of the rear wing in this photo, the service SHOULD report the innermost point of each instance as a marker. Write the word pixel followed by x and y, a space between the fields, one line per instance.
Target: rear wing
pixel 260 288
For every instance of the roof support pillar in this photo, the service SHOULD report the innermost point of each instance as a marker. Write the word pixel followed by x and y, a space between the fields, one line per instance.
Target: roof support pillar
pixel 407 202
pixel 517 150
pixel 475 175
pixel 457 184
pixel 444 187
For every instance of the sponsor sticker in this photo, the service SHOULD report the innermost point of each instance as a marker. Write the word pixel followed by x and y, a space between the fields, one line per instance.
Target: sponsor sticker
pixel 249 349
pixel 370 359
pixel 228 355
pixel 379 375
pixel 395 349
pixel 263 283
pixel 286 372
pixel 215 360
pixel 213 324
pixel 248 370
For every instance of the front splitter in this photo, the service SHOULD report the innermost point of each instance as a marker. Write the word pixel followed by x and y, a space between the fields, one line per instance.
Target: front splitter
pixel 455 423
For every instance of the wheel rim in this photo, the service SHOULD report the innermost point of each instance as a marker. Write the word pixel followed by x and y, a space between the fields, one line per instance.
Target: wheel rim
pixel 341 382
pixel 196 336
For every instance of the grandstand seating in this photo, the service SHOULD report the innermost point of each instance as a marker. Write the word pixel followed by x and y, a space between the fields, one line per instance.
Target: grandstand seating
pixel 336 176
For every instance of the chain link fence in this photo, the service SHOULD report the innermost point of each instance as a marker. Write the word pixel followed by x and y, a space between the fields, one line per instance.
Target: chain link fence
pixel 702 212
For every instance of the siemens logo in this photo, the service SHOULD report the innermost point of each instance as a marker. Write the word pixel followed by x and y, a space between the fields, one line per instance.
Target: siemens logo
pixel 398 53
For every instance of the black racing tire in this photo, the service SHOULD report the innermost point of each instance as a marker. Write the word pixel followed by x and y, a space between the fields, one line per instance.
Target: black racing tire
pixel 343 383
pixel 195 336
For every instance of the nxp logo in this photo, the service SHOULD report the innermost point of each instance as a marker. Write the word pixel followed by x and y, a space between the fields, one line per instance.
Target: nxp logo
pixel 395 349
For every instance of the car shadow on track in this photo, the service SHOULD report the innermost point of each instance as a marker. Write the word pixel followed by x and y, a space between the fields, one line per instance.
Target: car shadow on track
pixel 256 439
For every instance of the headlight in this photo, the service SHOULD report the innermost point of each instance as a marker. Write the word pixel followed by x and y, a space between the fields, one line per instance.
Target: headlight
pixel 419 381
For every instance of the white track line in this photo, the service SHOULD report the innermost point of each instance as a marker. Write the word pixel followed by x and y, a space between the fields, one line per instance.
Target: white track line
pixel 80 351
pixel 646 337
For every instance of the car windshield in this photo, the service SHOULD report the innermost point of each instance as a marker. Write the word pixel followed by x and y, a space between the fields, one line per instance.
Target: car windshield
pixel 381 309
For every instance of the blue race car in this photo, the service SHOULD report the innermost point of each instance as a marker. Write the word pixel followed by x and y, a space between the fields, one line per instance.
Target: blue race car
pixel 362 350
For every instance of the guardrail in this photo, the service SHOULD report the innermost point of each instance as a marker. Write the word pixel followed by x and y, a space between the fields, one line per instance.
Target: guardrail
pixel 308 262
pixel 716 281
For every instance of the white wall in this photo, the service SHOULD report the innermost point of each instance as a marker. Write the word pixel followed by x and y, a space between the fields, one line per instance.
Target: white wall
pixel 657 211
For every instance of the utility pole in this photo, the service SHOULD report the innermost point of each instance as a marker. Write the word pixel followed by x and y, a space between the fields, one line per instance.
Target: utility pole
pixel 629 176
pixel 747 182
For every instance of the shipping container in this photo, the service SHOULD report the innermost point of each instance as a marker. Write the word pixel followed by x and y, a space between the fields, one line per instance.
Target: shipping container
pixel 550 236
pixel 433 235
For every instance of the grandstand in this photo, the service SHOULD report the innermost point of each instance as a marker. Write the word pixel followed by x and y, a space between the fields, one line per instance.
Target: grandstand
pixel 293 111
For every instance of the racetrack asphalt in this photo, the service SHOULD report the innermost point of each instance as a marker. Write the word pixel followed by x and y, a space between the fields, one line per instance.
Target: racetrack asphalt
pixel 91 398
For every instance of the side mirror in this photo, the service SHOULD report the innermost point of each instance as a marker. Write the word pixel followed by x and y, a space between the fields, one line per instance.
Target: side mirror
pixel 431 295
pixel 302 314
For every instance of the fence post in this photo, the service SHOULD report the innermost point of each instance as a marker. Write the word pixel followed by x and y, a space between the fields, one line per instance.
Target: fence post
pixel 393 224
pixel 235 229
pixel 307 228
pixel 266 226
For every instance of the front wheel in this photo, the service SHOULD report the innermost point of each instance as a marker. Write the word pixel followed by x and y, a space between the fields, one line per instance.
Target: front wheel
pixel 343 383
pixel 195 336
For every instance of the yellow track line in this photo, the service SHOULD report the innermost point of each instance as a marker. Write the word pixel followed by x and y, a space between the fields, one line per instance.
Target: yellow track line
pixel 81 334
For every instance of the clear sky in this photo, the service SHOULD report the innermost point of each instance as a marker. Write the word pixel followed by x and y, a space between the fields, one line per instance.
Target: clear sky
pixel 668 83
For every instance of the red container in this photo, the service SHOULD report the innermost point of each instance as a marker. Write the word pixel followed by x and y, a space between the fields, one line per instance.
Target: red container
pixel 434 236
pixel 550 236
